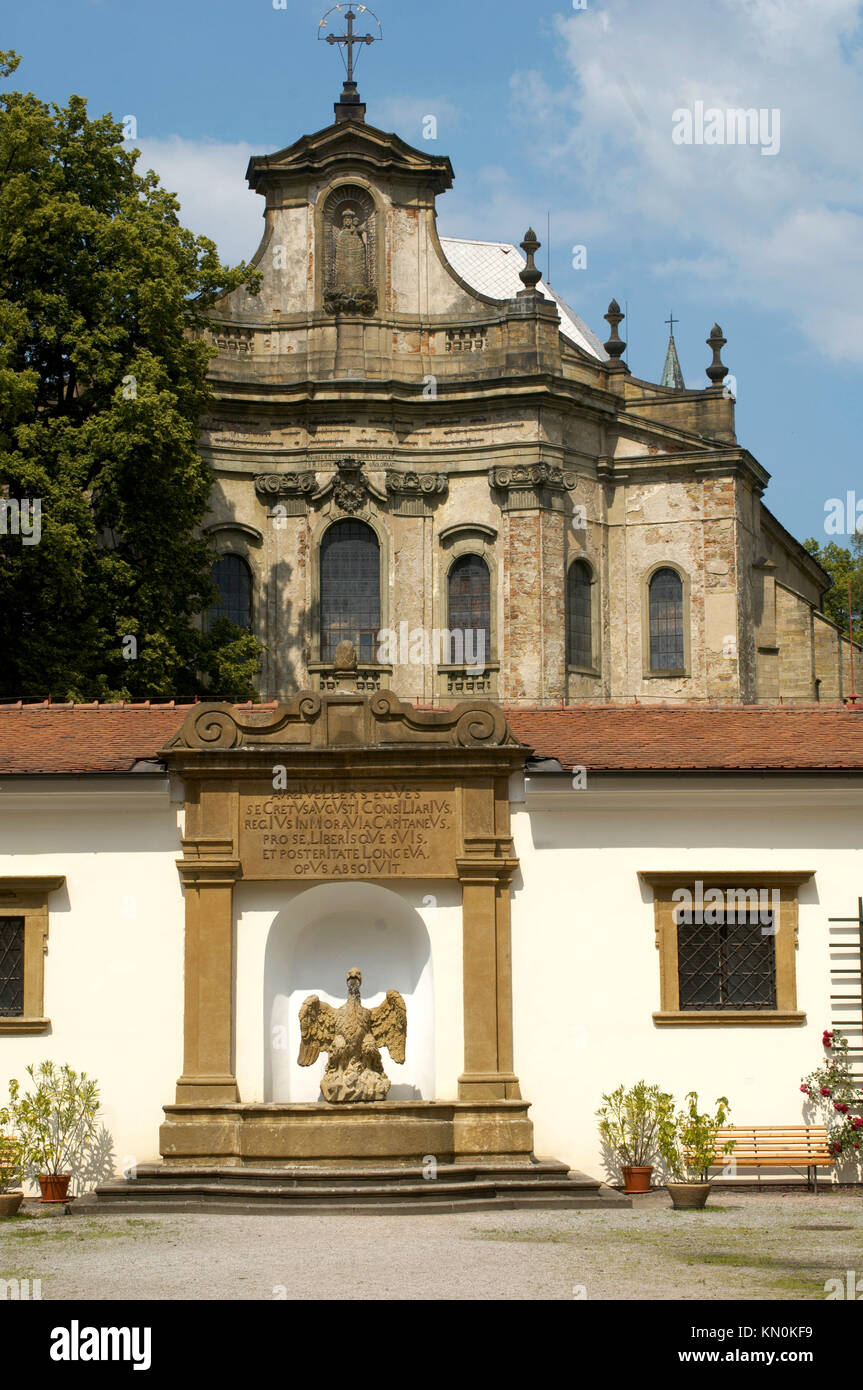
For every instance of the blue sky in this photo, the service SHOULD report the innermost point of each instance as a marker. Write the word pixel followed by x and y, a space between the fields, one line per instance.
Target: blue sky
pixel 546 108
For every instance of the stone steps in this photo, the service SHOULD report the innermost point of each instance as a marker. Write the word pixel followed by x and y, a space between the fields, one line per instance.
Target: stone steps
pixel 543 1184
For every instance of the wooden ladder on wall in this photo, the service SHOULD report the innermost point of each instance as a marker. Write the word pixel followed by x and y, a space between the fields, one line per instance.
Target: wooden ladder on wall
pixel 846 983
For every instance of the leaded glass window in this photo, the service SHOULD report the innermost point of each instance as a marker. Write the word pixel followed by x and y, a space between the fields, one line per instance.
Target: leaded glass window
pixel 470 607
pixel 11 966
pixel 579 616
pixel 730 964
pixel 350 590
pixel 232 578
pixel 666 621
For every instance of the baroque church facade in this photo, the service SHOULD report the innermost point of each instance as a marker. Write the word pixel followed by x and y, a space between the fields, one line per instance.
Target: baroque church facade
pixel 413 437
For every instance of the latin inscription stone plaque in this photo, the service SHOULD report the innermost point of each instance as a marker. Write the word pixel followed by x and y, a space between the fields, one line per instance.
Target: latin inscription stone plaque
pixel 338 834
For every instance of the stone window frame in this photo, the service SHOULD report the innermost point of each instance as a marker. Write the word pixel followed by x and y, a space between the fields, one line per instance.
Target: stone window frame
pixel 595 668
pixel 236 538
pixel 28 898
pixel 665 927
pixel 472 538
pixel 316 665
pixel 685 671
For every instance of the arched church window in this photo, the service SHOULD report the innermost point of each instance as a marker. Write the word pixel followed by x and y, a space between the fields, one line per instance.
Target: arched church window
pixel 350 590
pixel 469 605
pixel 579 615
pixel 667 646
pixel 233 580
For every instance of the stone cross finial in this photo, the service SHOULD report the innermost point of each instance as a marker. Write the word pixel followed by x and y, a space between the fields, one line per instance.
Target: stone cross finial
pixel 717 371
pixel 615 347
pixel 530 276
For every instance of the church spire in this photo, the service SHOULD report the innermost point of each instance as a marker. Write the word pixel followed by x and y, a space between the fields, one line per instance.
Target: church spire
pixel 671 373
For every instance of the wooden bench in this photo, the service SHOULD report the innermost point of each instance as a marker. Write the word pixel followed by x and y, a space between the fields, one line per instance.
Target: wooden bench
pixel 776 1146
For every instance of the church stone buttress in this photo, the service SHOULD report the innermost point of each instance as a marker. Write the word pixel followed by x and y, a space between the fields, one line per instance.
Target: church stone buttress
pixel 490 462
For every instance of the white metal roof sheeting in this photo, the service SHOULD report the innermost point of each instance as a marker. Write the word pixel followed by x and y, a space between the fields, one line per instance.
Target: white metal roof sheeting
pixel 493 267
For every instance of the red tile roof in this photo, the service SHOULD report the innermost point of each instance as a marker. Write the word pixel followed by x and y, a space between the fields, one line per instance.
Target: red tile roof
pixel 631 737
pixel 83 738
pixel 56 739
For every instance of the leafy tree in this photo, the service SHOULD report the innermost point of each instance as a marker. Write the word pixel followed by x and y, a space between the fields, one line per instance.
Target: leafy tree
pixel 842 564
pixel 103 367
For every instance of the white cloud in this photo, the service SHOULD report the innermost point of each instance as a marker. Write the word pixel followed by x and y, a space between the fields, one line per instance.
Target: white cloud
pixel 783 231
pixel 209 181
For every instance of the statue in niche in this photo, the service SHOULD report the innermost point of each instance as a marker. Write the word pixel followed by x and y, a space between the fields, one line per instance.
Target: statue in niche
pixel 350 234
pixel 353 1037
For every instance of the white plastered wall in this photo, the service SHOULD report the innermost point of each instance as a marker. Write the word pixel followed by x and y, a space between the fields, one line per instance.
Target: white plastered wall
pixel 114 962
pixel 585 963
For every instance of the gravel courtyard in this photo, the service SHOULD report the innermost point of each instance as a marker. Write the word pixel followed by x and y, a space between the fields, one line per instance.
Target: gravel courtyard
pixel 745 1245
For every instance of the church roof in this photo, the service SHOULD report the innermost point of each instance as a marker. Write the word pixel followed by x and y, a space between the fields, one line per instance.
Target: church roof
pixel 493 267
pixel 57 740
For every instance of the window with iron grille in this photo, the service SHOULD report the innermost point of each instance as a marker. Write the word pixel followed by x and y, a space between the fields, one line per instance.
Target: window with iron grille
pixel 11 966
pixel 666 621
pixel 731 965
pixel 233 579
pixel 579 617
pixel 350 590
pixel 470 606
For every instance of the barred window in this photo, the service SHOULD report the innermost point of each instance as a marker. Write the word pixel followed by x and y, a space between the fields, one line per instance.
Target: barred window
pixel 730 964
pixel 667 651
pixel 233 579
pixel 350 590
pixel 11 966
pixel 470 605
pixel 579 617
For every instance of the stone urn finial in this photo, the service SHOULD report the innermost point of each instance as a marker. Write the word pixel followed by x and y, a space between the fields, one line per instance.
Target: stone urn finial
pixel 530 276
pixel 615 346
pixel 717 371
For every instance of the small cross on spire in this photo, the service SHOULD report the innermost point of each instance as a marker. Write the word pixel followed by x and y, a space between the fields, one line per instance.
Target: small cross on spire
pixel 671 321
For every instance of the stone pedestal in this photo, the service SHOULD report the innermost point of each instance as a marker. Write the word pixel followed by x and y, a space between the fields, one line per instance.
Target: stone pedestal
pixel 389 1132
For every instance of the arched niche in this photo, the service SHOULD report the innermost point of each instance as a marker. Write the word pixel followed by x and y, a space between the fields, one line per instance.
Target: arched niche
pixel 311 945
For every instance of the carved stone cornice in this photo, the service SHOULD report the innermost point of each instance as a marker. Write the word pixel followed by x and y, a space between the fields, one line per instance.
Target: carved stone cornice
pixel 349 488
pixel 342 721
pixel 414 494
pixel 291 491
pixel 531 487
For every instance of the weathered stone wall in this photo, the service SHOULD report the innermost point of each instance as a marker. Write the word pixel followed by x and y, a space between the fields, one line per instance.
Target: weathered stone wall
pixel 547 453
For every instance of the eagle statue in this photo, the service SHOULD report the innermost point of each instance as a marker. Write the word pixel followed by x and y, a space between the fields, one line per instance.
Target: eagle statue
pixel 353 1037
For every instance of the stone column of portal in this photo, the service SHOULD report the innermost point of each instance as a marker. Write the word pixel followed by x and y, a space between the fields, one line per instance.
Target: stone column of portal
pixel 487 971
pixel 208 1032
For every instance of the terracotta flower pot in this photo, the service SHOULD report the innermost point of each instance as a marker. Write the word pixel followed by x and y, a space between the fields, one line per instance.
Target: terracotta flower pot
pixel 636 1179
pixel 689 1196
pixel 54 1186
pixel 9 1203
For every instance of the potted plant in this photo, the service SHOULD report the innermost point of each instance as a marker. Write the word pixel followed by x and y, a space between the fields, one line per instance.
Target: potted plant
pixel 629 1125
pixel 11 1173
pixel 56 1122
pixel 687 1143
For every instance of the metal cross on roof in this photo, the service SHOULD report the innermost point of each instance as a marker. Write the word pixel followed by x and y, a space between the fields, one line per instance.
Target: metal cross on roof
pixel 671 321
pixel 349 39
